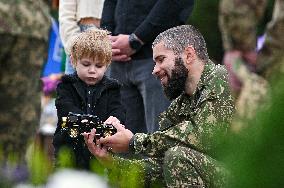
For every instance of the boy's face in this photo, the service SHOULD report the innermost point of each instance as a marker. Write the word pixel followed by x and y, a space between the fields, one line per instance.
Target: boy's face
pixel 90 71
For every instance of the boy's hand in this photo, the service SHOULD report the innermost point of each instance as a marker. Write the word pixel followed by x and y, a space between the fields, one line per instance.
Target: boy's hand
pixel 98 150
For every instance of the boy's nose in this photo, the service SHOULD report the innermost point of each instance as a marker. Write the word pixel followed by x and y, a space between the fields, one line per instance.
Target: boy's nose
pixel 92 69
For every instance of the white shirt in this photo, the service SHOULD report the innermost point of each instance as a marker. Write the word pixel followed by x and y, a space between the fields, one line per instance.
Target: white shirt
pixel 71 12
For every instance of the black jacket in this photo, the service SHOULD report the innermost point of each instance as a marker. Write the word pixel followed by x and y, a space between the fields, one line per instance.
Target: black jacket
pixel 145 18
pixel 73 95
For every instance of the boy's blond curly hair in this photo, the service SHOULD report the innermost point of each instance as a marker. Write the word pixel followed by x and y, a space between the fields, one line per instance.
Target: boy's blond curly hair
pixel 94 44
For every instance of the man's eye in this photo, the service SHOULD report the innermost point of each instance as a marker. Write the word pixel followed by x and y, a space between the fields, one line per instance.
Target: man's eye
pixel 161 59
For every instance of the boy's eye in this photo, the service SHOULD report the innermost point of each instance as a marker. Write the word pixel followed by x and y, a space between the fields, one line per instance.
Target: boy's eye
pixel 99 66
pixel 85 65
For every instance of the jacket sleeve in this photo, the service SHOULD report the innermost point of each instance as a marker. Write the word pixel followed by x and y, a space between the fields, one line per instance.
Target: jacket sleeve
pixel 115 108
pixel 68 25
pixel 107 21
pixel 64 102
pixel 165 14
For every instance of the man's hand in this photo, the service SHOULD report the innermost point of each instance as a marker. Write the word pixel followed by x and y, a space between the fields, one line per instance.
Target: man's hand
pixel 230 57
pixel 112 120
pixel 250 57
pixel 117 56
pixel 121 50
pixel 119 142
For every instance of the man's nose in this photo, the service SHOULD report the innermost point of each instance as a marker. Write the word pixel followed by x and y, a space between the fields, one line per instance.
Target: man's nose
pixel 156 70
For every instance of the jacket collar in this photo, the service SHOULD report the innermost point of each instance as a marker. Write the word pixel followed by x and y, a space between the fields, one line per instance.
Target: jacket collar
pixel 80 86
pixel 203 92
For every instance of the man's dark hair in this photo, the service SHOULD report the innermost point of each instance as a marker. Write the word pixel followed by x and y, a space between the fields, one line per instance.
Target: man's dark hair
pixel 180 37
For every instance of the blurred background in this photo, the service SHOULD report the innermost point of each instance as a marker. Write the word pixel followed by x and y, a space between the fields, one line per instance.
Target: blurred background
pixel 248 145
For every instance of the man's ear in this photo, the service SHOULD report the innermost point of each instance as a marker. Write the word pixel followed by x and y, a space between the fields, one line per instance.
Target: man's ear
pixel 189 54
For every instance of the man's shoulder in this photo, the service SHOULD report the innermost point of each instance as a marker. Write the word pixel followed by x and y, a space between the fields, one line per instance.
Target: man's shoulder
pixel 216 82
pixel 220 70
pixel 217 74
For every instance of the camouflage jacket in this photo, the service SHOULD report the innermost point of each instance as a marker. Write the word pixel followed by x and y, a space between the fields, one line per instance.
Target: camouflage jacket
pixel 29 18
pixel 190 121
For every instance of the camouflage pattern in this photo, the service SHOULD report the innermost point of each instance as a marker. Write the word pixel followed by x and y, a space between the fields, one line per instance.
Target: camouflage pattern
pixel 186 167
pixel 24 27
pixel 238 21
pixel 253 97
pixel 183 146
pixel 26 18
pixel 270 62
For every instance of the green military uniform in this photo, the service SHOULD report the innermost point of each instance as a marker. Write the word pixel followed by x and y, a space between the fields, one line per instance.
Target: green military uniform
pixel 253 96
pixel 270 62
pixel 181 151
pixel 24 27
pixel 238 22
pixel 257 148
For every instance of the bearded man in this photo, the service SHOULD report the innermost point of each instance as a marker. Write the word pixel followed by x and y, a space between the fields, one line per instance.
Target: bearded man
pixel 181 152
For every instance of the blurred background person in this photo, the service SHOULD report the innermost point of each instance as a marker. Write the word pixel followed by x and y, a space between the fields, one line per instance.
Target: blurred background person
pixel 24 27
pixel 257 79
pixel 250 70
pixel 76 16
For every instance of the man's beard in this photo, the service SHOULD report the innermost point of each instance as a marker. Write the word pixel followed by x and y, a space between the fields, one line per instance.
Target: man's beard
pixel 176 83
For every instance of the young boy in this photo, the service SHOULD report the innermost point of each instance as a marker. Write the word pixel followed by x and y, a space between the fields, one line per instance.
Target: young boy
pixel 88 90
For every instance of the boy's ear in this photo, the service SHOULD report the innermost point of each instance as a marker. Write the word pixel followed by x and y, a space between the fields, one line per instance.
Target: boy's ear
pixel 72 61
pixel 190 54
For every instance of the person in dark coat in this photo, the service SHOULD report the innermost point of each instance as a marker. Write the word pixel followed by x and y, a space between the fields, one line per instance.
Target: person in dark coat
pixel 87 91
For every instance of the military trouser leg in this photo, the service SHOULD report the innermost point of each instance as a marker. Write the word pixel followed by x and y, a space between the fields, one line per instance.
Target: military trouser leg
pixel 21 59
pixel 184 167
